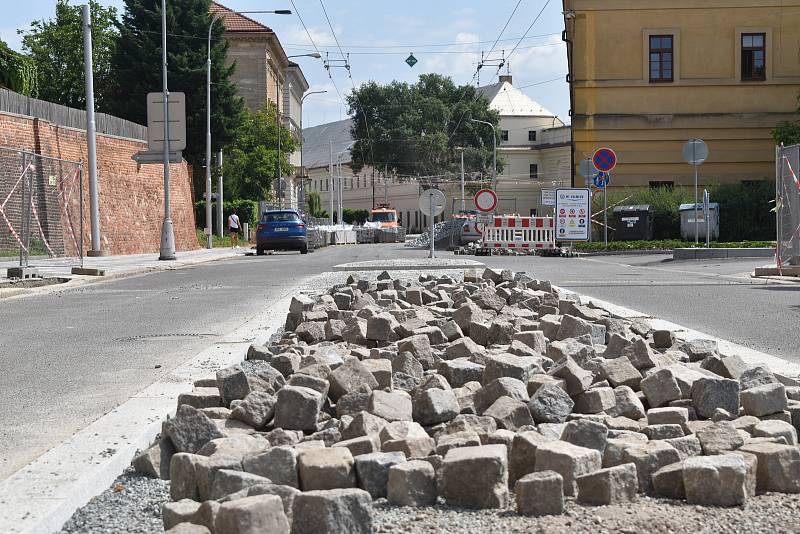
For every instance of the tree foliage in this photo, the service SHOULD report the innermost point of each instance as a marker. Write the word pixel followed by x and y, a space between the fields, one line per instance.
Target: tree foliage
pixel 137 67
pixel 18 72
pixel 56 46
pixel 314 201
pixel 788 132
pixel 416 128
pixel 250 163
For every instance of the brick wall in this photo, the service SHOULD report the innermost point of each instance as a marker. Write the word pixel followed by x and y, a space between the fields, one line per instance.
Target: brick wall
pixel 131 197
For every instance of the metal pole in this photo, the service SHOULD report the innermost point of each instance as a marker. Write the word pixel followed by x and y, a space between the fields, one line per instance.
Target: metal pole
pixel 696 222
pixel 340 190
pixel 707 216
pixel 167 251
pixel 208 138
pixel 605 215
pixel 220 198
pixel 463 200
pixel 778 188
pixel 386 184
pixel 278 130
pixel 23 261
pixel 331 188
pixel 430 199
pixel 80 192
pixel 302 202
pixel 91 140
pixel 494 159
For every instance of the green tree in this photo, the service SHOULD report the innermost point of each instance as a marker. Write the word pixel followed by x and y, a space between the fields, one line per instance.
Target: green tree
pixel 788 132
pixel 250 161
pixel 56 46
pixel 137 69
pixel 415 129
pixel 314 202
pixel 18 72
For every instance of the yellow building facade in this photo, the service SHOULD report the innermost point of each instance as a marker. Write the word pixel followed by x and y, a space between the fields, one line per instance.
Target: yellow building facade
pixel 647 75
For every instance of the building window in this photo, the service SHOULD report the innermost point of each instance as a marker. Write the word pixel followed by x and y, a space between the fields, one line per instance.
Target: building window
pixel 531 135
pixel 327 184
pixel 504 135
pixel 661 58
pixel 534 171
pixel 660 184
pixel 754 52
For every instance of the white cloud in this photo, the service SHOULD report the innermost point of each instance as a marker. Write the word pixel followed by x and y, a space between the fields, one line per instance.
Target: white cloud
pixel 321 35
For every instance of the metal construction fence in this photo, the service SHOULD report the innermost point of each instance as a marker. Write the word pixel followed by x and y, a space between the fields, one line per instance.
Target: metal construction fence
pixel 41 207
pixel 787 206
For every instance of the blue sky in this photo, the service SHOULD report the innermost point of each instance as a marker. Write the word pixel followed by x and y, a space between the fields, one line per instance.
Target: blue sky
pixel 446 36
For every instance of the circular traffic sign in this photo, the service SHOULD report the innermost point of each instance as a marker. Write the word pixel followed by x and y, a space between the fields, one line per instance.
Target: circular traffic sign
pixel 431 202
pixel 485 200
pixel 695 152
pixel 602 179
pixel 604 159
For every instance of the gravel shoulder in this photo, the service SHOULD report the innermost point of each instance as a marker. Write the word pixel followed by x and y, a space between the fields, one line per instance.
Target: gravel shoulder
pixel 133 505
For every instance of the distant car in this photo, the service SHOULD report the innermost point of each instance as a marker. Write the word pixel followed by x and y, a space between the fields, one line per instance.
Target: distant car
pixel 468 233
pixel 281 230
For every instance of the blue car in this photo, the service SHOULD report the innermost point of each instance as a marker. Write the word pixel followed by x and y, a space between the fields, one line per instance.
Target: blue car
pixel 281 230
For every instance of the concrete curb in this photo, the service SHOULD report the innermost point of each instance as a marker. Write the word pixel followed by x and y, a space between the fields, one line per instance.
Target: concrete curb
pixel 43 495
pixel 74 280
pixel 720 253
pixel 726 348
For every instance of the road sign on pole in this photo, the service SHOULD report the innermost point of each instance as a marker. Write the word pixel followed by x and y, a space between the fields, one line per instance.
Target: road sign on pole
pixel 604 159
pixel 485 200
pixel 602 179
pixel 695 153
pixel 155 122
pixel 431 203
pixel 572 214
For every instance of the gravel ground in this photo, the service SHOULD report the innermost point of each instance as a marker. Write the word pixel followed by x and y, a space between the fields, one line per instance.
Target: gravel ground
pixel 132 504
pixel 766 513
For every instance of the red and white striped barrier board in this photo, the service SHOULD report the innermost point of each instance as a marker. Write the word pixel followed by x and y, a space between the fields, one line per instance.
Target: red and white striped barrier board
pixel 520 233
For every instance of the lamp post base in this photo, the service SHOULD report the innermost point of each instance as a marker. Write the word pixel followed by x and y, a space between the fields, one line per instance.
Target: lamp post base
pixel 167 251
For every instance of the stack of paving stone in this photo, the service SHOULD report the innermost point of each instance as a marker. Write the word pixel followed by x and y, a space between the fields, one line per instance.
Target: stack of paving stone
pixel 473 392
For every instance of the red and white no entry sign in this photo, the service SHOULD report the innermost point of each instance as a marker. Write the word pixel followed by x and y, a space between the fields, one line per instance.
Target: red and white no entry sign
pixel 485 200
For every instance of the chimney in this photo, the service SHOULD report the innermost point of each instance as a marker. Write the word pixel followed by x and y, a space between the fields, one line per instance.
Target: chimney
pixel 506 78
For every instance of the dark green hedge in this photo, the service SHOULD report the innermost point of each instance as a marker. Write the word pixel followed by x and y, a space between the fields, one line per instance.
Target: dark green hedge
pixel 744 209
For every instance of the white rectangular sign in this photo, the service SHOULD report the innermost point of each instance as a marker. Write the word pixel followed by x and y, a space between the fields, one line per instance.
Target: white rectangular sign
pixel 572 214
pixel 484 218
pixel 548 197
pixel 155 122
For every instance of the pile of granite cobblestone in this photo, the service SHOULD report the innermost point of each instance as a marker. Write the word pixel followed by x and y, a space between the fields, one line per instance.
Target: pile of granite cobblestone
pixel 473 392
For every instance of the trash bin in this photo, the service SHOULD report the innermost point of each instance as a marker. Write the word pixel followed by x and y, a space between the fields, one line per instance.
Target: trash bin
pixel 633 223
pixel 687 221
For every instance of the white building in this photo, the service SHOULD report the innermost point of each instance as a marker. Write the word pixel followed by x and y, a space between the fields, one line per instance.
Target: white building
pixel 535 147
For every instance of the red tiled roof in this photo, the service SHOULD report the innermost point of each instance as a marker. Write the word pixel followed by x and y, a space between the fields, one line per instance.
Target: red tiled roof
pixel 236 22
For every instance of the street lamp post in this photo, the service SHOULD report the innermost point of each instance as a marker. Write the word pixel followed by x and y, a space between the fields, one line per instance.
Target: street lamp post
pixel 278 121
pixel 167 249
pixel 494 151
pixel 214 19
pixel 302 169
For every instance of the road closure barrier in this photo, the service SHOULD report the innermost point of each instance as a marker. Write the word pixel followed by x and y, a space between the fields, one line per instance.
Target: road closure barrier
pixel 520 233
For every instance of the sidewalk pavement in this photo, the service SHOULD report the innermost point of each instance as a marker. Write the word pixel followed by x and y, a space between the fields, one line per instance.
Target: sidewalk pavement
pixel 116 266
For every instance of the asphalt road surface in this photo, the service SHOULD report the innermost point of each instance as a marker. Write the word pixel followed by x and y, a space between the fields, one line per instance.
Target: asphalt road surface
pixel 69 357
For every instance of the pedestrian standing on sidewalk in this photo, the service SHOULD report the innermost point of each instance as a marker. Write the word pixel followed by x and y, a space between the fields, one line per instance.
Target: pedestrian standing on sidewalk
pixel 233 227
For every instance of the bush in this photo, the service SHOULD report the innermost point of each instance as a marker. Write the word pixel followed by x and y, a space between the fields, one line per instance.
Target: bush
pixel 664 200
pixel 247 210
pixel 744 210
pixel 355 216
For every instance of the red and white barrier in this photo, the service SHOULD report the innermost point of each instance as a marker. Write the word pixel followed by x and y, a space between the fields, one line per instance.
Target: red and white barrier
pixel 520 233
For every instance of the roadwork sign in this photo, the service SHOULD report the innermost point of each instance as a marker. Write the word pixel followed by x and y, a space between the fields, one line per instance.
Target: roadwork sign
pixel 572 214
